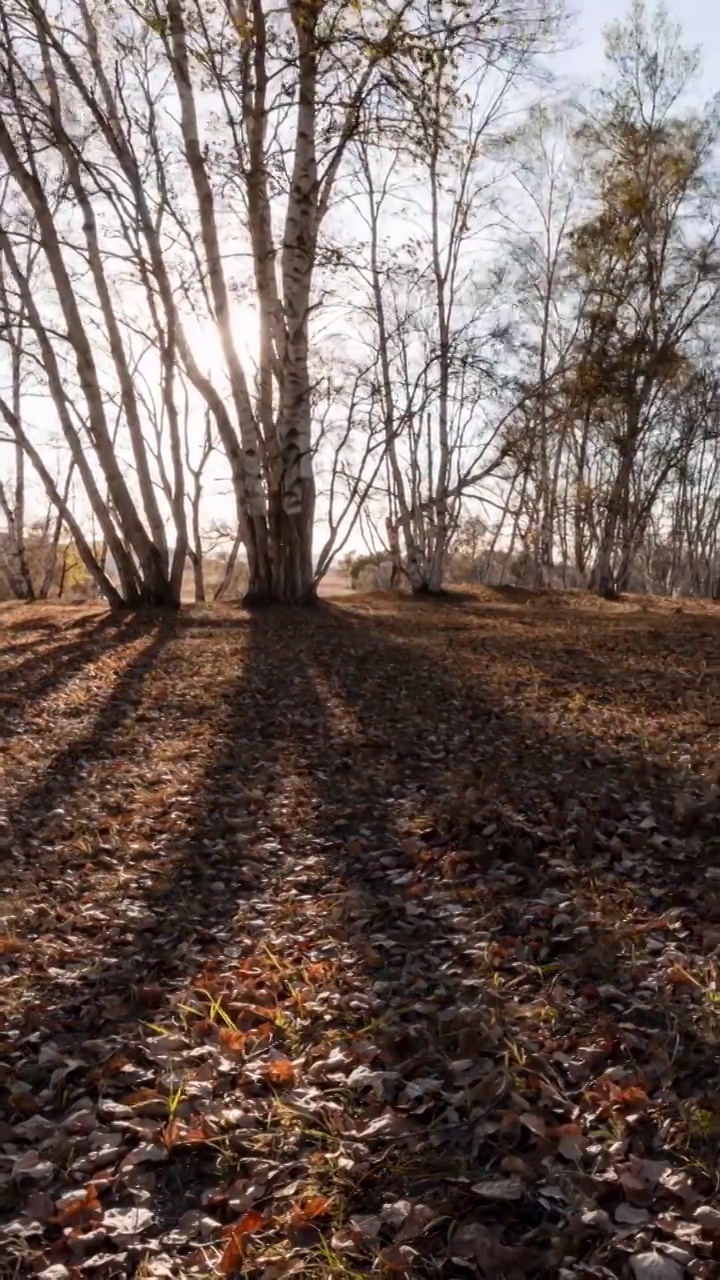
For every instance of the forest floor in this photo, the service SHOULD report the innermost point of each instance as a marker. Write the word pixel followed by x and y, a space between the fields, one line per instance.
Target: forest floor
pixel 382 939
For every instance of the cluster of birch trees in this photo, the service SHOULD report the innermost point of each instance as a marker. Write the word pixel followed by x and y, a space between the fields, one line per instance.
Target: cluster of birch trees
pixel 367 262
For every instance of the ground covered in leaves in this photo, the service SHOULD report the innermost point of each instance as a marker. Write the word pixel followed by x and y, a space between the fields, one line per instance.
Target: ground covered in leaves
pixel 382 939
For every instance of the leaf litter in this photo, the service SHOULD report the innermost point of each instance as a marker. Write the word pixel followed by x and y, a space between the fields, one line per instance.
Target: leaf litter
pixel 379 940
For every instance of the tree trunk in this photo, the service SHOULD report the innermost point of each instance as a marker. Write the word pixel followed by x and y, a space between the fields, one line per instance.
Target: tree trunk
pixel 198 577
pixel 438 558
pixel 17 569
pixel 154 587
pixel 195 552
pixel 84 550
pixel 55 543
pixel 223 585
pixel 291 530
pixel 603 578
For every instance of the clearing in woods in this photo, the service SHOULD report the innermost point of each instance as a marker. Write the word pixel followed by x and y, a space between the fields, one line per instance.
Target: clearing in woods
pixel 379 938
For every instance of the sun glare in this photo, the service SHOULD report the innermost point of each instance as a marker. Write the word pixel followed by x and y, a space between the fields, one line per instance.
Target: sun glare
pixel 203 335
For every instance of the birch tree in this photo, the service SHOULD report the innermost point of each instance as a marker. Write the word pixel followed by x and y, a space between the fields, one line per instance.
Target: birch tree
pixel 292 82
pixel 433 298
pixel 45 185
pixel 13 494
pixel 194 135
pixel 647 259
pixel 542 206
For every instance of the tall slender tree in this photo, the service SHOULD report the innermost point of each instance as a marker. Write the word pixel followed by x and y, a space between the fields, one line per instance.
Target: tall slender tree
pixel 647 258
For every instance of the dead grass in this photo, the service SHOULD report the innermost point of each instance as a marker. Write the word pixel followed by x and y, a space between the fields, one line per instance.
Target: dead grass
pixel 380 938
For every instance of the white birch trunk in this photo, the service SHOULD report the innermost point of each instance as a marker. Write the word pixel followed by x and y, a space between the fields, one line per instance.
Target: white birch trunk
pixel 254 496
pixel 112 127
pixel 60 502
pixel 153 588
pixel 123 561
pixel 97 269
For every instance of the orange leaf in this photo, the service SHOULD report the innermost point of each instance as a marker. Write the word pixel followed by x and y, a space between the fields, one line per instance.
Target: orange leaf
pixel 196 1135
pixel 175 1132
pixel 263 1032
pixel 398 1257
pixel 10 945
pixel 308 1209
pixel 78 1208
pixel 115 1063
pixel 634 1095
pixel 233 1041
pixel 281 1071
pixel 235 1248
pixel 201 1027
pixel 262 1011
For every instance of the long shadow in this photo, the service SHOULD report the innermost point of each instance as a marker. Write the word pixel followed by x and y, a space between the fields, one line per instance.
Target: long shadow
pixel 657 669
pixel 195 891
pixel 188 909
pixel 25 646
pixel 450 826
pixel 37 675
pixel 415 777
pixel 22 622
pixel 574 651
pixel 449 729
pixel 443 828
pixel 63 774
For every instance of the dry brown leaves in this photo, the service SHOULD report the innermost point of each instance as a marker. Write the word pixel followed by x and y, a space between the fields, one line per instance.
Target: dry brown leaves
pixel 384 939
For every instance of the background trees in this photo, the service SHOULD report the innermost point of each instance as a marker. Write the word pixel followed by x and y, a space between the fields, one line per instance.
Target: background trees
pixel 332 276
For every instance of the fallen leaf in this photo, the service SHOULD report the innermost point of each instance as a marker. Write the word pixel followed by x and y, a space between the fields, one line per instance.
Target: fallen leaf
pixel 677 976
pixel 572 1146
pixel 234 1250
pixel 470 1240
pixel 655 1266
pixel 708 1218
pixel 280 1071
pixel 364 1228
pixel 232 1041
pixel 40 1207
pixel 631 1215
pixel 175 1133
pixel 30 1165
pixel 124 1226
pixel 399 1258
pixel 79 1206
pixel 309 1209
pixel 639 1177
pixel 500 1189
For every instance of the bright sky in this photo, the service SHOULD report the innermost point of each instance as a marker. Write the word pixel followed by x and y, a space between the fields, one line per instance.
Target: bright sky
pixel 582 65
pixel 700 20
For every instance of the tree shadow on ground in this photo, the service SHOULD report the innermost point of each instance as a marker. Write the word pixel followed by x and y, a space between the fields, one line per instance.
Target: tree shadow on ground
pixel 466 870
pixel 489 881
pixel 64 773
pixel 50 666
pixel 575 653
